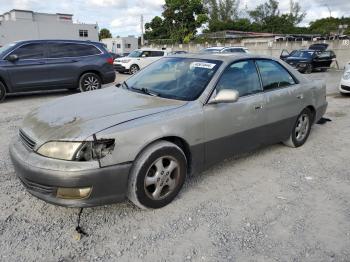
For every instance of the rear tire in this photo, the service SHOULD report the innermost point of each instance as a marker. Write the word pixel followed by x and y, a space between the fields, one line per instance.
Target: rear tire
pixel 308 69
pixel 89 82
pixel 301 129
pixel 134 69
pixel 2 92
pixel 157 175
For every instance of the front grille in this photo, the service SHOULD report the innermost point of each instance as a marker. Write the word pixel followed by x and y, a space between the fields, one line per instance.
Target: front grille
pixel 347 88
pixel 26 140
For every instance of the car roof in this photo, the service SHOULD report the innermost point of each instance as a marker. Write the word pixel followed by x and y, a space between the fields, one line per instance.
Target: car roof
pixel 223 47
pixel 58 40
pixel 224 57
pixel 149 49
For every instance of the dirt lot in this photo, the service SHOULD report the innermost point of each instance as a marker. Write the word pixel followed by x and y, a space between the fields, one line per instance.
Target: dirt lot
pixel 275 204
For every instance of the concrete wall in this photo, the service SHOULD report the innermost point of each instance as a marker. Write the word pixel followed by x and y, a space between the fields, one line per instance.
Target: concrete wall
pixel 271 48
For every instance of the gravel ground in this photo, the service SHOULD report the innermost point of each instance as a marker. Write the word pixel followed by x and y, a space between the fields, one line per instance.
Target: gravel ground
pixel 275 204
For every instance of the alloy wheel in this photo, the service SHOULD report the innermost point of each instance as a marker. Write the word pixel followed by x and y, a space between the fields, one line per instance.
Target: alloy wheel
pixel 302 127
pixel 91 83
pixel 162 178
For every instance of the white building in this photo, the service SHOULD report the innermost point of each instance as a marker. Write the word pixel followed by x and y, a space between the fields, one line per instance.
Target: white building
pixel 28 25
pixel 121 45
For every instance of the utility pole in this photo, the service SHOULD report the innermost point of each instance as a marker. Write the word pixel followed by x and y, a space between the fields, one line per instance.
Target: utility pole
pixel 142 40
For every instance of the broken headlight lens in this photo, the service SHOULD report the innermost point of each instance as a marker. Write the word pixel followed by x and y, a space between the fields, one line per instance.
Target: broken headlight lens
pixel 77 151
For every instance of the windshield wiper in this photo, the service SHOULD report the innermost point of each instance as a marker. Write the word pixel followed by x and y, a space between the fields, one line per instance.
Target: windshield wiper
pixel 143 91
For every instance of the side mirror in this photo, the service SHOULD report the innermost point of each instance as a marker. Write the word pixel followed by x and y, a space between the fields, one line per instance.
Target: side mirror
pixel 12 58
pixel 225 96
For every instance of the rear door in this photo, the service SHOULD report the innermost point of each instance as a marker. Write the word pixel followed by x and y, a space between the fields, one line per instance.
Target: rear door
pixel 29 72
pixel 284 99
pixel 65 60
pixel 232 128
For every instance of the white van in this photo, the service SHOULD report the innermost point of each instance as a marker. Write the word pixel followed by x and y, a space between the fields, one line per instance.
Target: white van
pixel 137 60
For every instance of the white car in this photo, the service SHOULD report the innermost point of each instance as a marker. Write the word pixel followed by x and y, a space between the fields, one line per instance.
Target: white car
pixel 227 49
pixel 137 60
pixel 344 86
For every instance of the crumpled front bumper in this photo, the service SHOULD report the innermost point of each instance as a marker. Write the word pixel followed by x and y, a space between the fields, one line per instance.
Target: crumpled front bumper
pixel 42 177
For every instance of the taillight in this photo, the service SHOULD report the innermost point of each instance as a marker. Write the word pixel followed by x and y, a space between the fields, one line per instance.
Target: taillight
pixel 110 60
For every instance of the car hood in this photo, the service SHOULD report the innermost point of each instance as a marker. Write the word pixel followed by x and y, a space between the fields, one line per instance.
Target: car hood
pixel 79 116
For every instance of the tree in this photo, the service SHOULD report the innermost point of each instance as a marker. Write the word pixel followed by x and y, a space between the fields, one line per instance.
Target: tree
pixel 156 29
pixel 183 18
pixel 104 33
pixel 265 12
pixel 222 12
pixel 296 15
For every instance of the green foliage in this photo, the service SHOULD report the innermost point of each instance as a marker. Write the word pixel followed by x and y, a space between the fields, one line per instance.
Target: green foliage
pixel 104 33
pixel 181 19
pixel 325 26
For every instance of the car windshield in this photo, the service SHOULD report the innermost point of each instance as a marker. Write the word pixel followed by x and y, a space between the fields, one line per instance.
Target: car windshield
pixel 136 53
pixel 174 78
pixel 303 54
pixel 4 48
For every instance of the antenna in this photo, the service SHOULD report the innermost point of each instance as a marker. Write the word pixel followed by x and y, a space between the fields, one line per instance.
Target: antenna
pixel 142 40
pixel 329 10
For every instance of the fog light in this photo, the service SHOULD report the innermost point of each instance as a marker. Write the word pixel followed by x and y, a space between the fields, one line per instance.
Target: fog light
pixel 73 193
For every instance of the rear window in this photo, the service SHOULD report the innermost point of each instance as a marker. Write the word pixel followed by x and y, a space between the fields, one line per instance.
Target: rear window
pixel 59 50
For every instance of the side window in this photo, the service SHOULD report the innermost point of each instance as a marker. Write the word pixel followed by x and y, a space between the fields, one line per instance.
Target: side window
pixel 324 54
pixel 241 76
pixel 30 51
pixel 157 53
pixel 60 50
pixel 146 54
pixel 274 75
pixel 85 50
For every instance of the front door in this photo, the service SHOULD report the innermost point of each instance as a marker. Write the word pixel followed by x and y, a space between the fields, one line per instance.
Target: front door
pixel 29 72
pixel 232 128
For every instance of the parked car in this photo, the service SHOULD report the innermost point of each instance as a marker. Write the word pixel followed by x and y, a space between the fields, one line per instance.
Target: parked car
pixel 344 86
pixel 137 60
pixel 177 52
pixel 307 60
pixel 54 64
pixel 222 49
pixel 179 115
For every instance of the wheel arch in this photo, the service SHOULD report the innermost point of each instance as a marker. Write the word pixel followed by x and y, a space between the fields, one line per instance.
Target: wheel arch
pixel 5 84
pixel 90 71
pixel 178 141
pixel 313 112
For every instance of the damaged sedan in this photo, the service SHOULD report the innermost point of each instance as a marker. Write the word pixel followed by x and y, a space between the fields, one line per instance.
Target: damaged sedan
pixel 180 115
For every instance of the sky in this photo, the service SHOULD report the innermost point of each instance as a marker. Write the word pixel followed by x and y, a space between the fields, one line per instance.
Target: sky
pixel 122 17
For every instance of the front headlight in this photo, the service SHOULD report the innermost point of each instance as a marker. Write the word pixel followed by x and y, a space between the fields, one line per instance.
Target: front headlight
pixel 346 75
pixel 77 151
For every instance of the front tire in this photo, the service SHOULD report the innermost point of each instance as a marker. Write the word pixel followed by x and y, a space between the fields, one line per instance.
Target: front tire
pixel 2 92
pixel 157 175
pixel 89 82
pixel 301 129
pixel 308 69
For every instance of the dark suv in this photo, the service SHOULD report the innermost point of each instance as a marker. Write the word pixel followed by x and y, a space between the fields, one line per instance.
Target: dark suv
pixel 317 57
pixel 54 64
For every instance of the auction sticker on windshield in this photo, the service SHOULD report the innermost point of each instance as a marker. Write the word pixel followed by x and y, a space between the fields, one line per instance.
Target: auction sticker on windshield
pixel 202 65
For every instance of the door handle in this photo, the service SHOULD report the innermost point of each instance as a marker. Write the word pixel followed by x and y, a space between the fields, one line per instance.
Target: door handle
pixel 258 107
pixel 300 96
